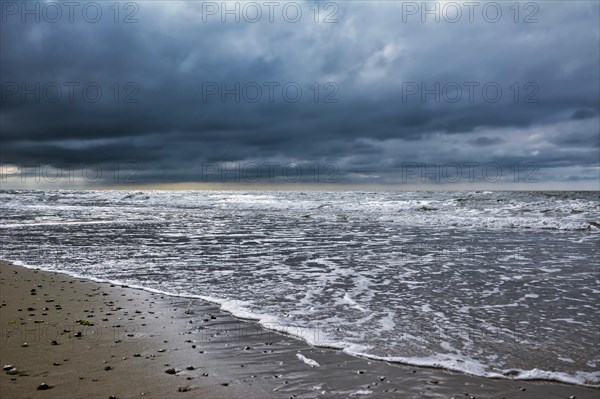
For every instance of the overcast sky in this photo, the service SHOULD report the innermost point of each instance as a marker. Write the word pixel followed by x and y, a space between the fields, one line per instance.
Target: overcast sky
pixel 346 93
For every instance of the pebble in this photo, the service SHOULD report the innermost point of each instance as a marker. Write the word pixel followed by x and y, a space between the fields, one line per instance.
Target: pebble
pixel 43 386
pixel 7 367
pixel 24 345
pixel 183 389
pixel 54 343
pixel 12 371
pixel 190 368
pixel 170 371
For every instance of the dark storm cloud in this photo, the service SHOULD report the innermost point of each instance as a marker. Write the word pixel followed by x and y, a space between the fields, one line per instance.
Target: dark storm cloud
pixel 382 69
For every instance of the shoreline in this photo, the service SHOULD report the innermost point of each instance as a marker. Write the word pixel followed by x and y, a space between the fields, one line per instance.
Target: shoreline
pixel 136 341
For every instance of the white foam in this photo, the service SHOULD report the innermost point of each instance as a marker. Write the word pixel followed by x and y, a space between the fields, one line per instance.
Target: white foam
pixel 362 392
pixel 316 337
pixel 348 300
pixel 310 362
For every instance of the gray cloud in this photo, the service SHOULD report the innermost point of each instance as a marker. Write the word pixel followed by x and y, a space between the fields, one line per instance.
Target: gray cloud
pixel 380 69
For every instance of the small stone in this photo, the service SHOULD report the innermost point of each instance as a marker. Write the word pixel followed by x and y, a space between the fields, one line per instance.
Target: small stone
pixel 190 368
pixel 24 345
pixel 12 371
pixel 43 386
pixel 170 371
pixel 434 382
pixel 137 355
pixel 183 389
pixel 247 348
pixel 107 368
pixel 360 371
pixel 162 350
pixel 78 334
pixel 112 397
pixel 7 367
pixel 54 343
pixel 205 374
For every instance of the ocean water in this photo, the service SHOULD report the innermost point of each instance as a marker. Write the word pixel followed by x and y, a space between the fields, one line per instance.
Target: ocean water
pixel 497 284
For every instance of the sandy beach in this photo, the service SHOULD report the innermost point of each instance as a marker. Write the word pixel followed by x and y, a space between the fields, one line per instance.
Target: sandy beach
pixel 65 337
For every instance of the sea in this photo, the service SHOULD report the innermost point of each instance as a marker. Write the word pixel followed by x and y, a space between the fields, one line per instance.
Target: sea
pixel 495 284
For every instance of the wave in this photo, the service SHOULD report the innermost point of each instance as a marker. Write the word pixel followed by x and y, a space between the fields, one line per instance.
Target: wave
pixel 315 336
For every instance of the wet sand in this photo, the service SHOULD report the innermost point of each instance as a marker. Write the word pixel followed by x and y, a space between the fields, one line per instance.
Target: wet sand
pixel 96 340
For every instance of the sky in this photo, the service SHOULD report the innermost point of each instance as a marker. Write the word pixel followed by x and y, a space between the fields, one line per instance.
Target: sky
pixel 300 95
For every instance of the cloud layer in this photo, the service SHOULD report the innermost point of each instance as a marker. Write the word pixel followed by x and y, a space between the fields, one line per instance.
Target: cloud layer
pixel 183 93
